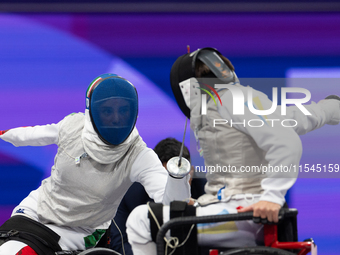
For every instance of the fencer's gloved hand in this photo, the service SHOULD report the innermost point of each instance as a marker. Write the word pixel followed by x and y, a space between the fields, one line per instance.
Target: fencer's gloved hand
pixel 333 97
pixel 264 212
pixel 260 220
pixel 331 108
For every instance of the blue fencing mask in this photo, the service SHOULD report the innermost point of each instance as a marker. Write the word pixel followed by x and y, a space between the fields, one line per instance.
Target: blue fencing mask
pixel 113 105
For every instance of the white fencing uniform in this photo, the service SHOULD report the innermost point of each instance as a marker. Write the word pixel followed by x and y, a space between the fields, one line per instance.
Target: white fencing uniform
pixel 241 146
pixel 89 179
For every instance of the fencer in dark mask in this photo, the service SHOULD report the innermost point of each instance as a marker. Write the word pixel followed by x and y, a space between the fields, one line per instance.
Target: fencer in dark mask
pixel 236 145
pixel 190 69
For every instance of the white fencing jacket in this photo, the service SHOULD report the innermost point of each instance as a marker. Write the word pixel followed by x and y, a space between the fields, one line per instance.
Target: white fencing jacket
pixel 84 190
pixel 241 142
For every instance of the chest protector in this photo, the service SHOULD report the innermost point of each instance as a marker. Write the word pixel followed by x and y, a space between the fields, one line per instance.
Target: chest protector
pixel 85 193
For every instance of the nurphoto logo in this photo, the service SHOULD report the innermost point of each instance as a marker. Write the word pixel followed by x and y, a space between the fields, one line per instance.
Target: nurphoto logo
pixel 242 98
pixel 239 100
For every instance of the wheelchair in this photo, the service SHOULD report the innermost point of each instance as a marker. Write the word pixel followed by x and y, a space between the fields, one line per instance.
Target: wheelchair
pixel 279 239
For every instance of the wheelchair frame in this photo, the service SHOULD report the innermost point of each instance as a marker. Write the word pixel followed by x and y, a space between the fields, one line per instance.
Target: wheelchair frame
pixel 270 231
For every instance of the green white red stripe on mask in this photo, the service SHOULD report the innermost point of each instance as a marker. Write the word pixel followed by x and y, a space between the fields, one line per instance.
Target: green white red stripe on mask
pixel 92 85
pixel 3 131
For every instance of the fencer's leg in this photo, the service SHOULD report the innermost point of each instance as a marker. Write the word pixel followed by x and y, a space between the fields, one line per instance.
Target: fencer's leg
pixel 139 233
pixel 13 247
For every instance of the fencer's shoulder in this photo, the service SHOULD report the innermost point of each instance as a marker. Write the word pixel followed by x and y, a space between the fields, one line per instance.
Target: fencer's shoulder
pixel 147 154
pixel 255 94
pixel 237 88
pixel 147 151
pixel 73 122
pixel 76 115
pixel 247 88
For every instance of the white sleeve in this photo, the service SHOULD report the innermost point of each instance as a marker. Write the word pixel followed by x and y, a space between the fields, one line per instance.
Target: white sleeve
pixel 282 146
pixel 323 112
pixel 149 171
pixel 32 136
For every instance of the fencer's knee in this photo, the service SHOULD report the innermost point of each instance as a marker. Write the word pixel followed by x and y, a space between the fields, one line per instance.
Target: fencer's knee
pixel 139 214
pixel 138 224
pixel 16 247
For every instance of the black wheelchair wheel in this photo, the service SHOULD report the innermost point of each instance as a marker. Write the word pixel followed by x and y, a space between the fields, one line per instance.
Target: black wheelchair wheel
pixel 257 251
pixel 99 251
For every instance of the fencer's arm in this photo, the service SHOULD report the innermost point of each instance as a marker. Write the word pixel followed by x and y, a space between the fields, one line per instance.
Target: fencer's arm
pixel 323 112
pixel 177 189
pixel 148 170
pixel 32 136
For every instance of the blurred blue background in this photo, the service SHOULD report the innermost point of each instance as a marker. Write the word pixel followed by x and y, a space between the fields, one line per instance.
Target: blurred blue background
pixel 48 58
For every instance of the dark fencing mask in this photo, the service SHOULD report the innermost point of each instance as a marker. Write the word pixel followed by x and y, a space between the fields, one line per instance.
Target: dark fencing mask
pixel 113 105
pixel 185 67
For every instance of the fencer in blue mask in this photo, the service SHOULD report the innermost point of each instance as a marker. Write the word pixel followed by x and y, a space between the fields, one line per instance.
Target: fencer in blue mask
pixel 113 106
pixel 100 154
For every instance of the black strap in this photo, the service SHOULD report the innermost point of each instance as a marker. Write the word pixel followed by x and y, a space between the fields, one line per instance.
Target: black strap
pixel 40 238
pixel 179 209
pixel 287 228
pixel 105 240
pixel 157 209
